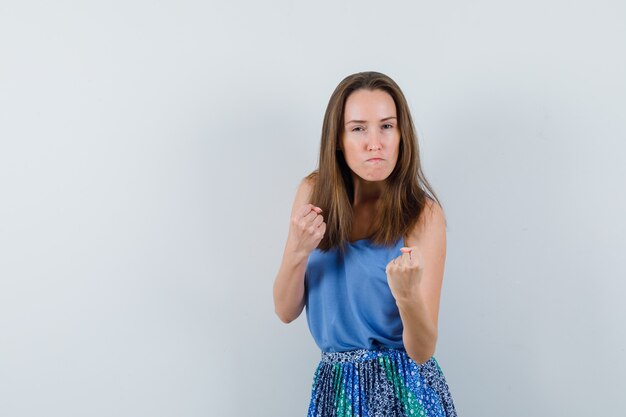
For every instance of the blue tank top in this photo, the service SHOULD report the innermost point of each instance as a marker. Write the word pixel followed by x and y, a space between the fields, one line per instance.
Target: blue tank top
pixel 348 301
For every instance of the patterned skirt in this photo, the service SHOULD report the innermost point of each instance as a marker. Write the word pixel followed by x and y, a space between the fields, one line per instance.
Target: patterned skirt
pixel 378 383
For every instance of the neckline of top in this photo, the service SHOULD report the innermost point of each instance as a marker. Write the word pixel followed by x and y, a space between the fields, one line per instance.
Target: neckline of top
pixel 359 240
pixel 367 239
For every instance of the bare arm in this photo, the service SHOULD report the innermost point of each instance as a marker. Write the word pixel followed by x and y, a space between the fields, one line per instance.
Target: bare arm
pixel 305 232
pixel 417 284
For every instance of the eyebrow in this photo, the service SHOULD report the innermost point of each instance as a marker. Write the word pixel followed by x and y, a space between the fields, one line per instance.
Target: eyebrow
pixel 364 121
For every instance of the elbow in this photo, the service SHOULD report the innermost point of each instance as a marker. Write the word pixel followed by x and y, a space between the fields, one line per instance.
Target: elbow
pixel 287 313
pixel 422 358
pixel 423 355
pixel 284 317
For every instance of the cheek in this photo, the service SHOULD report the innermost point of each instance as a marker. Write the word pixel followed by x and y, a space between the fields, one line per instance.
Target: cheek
pixel 393 138
pixel 396 154
pixel 350 150
pixel 395 143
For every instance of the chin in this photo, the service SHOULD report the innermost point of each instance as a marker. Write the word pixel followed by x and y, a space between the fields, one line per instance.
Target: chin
pixel 375 178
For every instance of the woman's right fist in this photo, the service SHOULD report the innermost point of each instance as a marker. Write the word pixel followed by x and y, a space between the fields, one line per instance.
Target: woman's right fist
pixel 307 228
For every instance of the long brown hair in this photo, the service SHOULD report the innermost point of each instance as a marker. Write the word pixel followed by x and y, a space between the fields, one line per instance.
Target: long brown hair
pixel 403 198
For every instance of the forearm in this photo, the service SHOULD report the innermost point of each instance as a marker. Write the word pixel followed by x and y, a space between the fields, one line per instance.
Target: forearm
pixel 289 286
pixel 420 332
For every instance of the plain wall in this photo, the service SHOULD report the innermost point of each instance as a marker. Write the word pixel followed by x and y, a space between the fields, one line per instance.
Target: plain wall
pixel 149 156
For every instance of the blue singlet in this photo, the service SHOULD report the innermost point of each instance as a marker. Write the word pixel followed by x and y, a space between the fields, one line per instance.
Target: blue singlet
pixel 348 302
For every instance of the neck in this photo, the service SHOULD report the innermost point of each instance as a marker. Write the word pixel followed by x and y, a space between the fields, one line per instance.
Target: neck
pixel 366 192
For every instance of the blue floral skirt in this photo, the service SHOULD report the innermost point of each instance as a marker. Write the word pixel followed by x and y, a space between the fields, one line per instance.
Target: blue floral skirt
pixel 378 383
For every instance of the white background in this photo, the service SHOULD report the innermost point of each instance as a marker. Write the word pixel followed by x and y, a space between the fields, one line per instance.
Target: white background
pixel 149 155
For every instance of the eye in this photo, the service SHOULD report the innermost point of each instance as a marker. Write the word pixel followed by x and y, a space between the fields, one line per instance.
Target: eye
pixel 390 125
pixel 355 129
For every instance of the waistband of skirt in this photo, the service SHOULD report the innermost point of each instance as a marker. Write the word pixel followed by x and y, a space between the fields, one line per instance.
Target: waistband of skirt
pixel 360 355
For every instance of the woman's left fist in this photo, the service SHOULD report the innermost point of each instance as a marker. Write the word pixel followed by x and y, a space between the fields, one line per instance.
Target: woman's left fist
pixel 404 274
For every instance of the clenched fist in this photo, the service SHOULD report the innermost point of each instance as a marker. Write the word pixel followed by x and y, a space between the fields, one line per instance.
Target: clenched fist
pixel 404 274
pixel 307 229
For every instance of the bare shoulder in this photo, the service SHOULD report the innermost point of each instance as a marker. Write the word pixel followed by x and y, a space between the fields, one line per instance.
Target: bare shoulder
pixel 433 212
pixel 303 193
pixel 431 223
pixel 429 236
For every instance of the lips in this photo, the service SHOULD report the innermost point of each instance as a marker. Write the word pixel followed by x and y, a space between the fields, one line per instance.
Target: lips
pixel 374 159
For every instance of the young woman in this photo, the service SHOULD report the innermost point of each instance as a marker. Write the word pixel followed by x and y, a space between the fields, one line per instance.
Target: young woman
pixel 365 255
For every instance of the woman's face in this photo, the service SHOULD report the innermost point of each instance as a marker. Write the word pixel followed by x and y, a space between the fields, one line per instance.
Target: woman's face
pixel 371 138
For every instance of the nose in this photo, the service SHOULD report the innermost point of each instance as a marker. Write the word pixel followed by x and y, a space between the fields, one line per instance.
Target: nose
pixel 374 142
